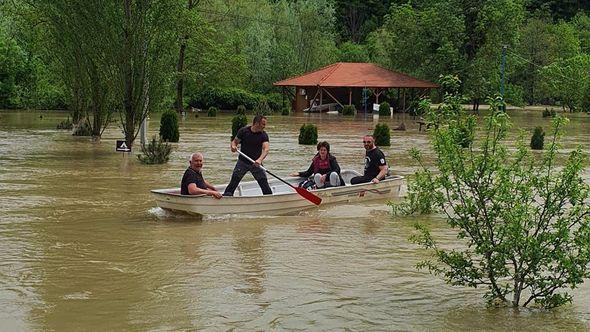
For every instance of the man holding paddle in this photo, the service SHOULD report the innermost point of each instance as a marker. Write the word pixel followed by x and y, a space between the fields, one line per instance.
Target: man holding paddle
pixel 254 143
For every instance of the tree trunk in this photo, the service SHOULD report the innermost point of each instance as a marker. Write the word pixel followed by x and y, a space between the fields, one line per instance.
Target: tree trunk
pixel 180 66
pixel 180 76
pixel 129 126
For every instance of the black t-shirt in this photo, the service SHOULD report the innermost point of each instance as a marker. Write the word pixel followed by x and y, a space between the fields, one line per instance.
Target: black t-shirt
pixel 251 142
pixel 373 159
pixel 191 176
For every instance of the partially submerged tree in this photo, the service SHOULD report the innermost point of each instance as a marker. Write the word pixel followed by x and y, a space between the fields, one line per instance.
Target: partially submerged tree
pixel 524 221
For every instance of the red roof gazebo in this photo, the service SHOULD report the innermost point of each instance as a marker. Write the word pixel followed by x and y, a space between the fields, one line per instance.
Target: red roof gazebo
pixel 343 82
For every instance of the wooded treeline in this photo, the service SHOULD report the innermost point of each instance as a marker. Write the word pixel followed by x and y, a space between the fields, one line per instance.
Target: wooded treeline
pixel 105 58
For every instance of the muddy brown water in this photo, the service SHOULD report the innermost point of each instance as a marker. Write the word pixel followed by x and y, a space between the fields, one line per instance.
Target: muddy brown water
pixel 83 247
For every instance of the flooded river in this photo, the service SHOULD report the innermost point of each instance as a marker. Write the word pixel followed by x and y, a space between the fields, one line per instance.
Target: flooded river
pixel 83 247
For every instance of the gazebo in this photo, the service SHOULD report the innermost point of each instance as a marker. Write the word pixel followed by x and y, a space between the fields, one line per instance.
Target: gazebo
pixel 342 83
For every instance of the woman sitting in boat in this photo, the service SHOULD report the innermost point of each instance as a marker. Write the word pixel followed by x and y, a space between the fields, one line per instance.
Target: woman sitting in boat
pixel 324 168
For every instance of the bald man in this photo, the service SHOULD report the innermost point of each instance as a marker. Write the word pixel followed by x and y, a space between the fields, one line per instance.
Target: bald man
pixel 193 182
pixel 375 164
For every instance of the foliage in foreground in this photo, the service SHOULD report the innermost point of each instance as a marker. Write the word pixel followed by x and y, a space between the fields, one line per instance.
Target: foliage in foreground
pixel 156 152
pixel 524 221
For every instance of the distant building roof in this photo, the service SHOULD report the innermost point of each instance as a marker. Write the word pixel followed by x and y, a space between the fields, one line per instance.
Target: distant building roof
pixel 355 74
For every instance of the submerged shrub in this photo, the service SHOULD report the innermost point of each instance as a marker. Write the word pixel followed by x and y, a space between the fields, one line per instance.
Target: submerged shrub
pixel 169 126
pixel 237 122
pixel 241 110
pixel 349 110
pixel 286 111
pixel 538 139
pixel 384 109
pixel 382 135
pixel 65 124
pixel 308 134
pixel 549 113
pixel 212 112
pixel 156 152
pixel 82 129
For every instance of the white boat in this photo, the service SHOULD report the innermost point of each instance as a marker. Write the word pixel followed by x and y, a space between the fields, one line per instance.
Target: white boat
pixel 248 198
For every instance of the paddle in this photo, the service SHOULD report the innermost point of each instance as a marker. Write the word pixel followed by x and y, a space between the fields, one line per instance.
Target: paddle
pixel 301 191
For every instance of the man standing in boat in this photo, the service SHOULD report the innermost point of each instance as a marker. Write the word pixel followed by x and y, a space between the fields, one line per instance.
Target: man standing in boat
pixel 193 182
pixel 253 142
pixel 375 164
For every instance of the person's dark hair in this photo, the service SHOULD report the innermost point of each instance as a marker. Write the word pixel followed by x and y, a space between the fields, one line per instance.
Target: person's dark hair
pixel 258 118
pixel 325 145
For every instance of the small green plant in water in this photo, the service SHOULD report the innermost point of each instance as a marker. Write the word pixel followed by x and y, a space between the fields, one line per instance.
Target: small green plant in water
pixel 538 139
pixel 349 110
pixel 157 151
pixel 522 222
pixel 169 126
pixel 384 109
pixel 237 122
pixel 382 135
pixel 286 111
pixel 212 112
pixel 308 134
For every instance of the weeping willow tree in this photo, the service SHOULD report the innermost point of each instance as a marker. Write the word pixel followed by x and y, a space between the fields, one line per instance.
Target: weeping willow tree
pixel 113 56
pixel 75 36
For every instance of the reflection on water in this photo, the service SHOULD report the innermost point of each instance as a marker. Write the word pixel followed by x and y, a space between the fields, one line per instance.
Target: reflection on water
pixel 82 245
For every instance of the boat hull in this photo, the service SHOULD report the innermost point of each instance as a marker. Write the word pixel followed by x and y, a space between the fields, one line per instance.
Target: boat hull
pixel 284 200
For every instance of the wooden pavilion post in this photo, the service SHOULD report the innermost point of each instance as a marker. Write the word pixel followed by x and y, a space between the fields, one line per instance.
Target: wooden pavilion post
pixel 349 96
pixel 377 93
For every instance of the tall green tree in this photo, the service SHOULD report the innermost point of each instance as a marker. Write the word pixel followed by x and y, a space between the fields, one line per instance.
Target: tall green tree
pixel 566 80
pixel 112 56
pixel 424 42
pixel 357 18
pixel 143 49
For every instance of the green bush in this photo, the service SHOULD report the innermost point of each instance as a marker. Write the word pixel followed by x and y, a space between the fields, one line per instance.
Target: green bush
pixel 238 122
pixel 286 111
pixel 212 112
pixel 169 126
pixel 156 152
pixel 349 110
pixel 241 110
pixel 384 109
pixel 549 113
pixel 223 98
pixel 538 139
pixel 382 135
pixel 308 134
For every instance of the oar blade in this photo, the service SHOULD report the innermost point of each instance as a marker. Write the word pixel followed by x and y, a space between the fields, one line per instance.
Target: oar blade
pixel 308 195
